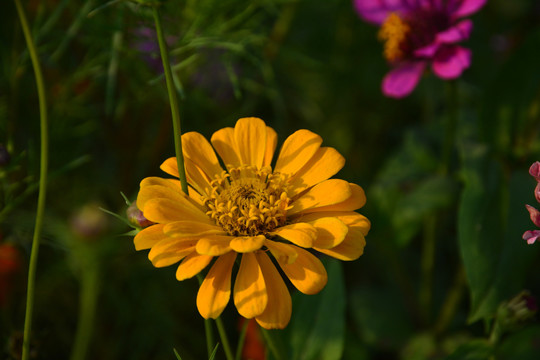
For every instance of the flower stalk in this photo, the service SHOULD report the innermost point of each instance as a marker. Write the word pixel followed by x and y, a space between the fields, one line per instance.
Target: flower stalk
pixel 42 179
pixel 173 98
pixel 224 339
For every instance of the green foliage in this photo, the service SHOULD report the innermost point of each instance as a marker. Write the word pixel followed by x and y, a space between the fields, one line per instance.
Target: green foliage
pixel 296 64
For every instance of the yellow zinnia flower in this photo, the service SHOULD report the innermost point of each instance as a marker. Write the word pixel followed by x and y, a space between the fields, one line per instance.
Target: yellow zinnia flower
pixel 252 210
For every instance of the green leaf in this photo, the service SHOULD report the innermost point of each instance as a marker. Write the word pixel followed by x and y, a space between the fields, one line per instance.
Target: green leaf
pixel 479 349
pixel 480 223
pixel 214 352
pixel 177 355
pixel 522 345
pixel 516 256
pixel 381 316
pixel 429 195
pixel 318 324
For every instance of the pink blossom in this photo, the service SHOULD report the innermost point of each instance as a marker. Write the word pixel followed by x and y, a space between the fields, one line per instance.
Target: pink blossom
pixel 418 33
pixel 532 235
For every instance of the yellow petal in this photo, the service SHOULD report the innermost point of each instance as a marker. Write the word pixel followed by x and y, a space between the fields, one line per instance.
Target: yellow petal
pixel 331 232
pixel 148 192
pixel 148 237
pixel 225 144
pixel 161 210
pixel 282 252
pixel 329 192
pixel 168 258
pixel 246 244
pixel 250 295
pixel 325 163
pixel 355 201
pixel 215 291
pixel 170 166
pixel 350 249
pixel 350 218
pixel 277 313
pixel 199 150
pixel 196 176
pixel 191 228
pixel 170 244
pixel 172 184
pixel 297 150
pixel 271 142
pixel 301 234
pixel 214 245
pixel 250 137
pixel 192 265
pixel 307 273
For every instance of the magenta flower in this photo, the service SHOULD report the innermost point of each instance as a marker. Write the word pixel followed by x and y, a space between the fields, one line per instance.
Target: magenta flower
pixel 532 235
pixel 418 33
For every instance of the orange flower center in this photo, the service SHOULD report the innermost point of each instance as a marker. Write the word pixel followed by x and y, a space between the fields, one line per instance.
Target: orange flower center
pixel 394 34
pixel 248 201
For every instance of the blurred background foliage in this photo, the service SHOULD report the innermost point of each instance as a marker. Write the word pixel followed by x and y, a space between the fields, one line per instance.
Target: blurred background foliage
pixel 444 257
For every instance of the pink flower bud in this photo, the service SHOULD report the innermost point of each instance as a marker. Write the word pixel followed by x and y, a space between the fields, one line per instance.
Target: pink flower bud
pixel 136 217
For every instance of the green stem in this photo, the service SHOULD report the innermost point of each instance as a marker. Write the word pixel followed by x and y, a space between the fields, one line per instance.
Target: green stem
pixel 241 340
pixel 172 98
pixel 224 339
pixel 270 344
pixel 450 127
pixel 42 180
pixel 87 310
pixel 427 265
pixel 451 302
pixel 112 72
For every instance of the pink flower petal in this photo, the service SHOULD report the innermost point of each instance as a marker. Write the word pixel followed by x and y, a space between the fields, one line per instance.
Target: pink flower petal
pixel 402 80
pixel 537 191
pixel 534 170
pixel 376 11
pixel 534 214
pixel 459 32
pixel 462 8
pixel 428 51
pixel 531 236
pixel 450 61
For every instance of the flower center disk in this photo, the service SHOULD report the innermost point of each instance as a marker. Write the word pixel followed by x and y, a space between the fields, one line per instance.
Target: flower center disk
pixel 394 34
pixel 248 201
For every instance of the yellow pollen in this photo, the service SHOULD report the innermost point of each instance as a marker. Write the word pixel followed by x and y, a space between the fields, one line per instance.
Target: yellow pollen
pixel 393 32
pixel 248 201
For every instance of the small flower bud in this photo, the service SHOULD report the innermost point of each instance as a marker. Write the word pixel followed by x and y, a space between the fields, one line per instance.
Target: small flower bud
pixel 136 217
pixel 4 156
pixel 516 311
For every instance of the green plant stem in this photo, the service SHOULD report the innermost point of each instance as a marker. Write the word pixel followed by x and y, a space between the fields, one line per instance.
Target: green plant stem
pixel 173 98
pixel 427 266
pixel 241 340
pixel 270 344
pixel 450 127
pixel 42 179
pixel 224 339
pixel 451 302
pixel 87 310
